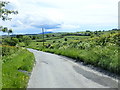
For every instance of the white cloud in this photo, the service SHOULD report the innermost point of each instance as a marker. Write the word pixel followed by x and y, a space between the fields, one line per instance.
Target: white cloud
pixel 19 22
pixel 72 13
pixel 50 30
pixel 69 26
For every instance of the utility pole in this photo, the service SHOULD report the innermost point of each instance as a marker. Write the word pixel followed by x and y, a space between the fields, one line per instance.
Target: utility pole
pixel 118 15
pixel 43 35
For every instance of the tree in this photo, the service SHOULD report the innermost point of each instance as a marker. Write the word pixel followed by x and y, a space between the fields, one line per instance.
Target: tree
pixel 87 30
pixel 26 40
pixel 47 36
pixel 9 31
pixel 5 12
pixel 34 37
pixel 10 41
pixel 6 30
pixel 65 39
pixel 19 36
pixel 4 15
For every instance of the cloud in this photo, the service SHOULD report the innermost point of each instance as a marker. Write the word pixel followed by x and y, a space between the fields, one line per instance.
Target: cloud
pixel 50 30
pixel 46 26
pixel 63 14
pixel 28 22
pixel 70 26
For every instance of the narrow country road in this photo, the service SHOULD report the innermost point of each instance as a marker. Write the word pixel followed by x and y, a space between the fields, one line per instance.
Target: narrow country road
pixel 54 71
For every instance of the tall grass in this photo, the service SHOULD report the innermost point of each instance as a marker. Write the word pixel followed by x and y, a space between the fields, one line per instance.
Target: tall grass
pixel 0 67
pixel 16 66
pixel 100 51
pixel 106 58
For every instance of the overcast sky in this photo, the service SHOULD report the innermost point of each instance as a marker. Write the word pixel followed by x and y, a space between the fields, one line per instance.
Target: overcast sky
pixel 62 15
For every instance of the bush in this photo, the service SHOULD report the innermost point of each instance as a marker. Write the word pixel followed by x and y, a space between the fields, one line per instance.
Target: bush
pixel 26 40
pixel 34 37
pixel 8 50
pixel 22 44
pixel 40 40
pixel 53 41
pixel 10 41
pixel 65 39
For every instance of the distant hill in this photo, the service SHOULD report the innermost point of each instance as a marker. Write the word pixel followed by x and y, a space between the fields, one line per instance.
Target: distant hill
pixel 46 32
pixel 27 34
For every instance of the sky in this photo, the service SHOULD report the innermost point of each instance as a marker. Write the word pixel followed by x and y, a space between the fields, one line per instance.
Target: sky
pixel 62 15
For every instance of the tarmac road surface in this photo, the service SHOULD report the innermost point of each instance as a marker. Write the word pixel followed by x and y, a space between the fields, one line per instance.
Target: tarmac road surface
pixel 54 71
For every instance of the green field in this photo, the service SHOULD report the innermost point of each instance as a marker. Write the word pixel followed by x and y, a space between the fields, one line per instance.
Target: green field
pixel 17 63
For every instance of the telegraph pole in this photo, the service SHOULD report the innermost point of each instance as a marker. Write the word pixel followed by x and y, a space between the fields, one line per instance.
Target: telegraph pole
pixel 43 35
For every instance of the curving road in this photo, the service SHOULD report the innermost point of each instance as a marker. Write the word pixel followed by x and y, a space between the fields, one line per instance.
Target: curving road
pixel 54 71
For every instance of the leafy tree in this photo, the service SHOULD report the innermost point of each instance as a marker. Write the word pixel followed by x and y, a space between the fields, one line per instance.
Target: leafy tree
pixel 34 37
pixel 53 35
pixel 19 36
pixel 54 41
pixel 4 15
pixel 26 40
pixel 5 12
pixel 10 31
pixel 87 30
pixel 47 36
pixel 6 30
pixel 65 39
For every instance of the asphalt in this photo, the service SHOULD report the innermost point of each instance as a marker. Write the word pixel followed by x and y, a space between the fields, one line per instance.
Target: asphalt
pixel 54 71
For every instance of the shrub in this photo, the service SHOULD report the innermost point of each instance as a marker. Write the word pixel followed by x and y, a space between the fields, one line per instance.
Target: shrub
pixel 26 40
pixel 40 40
pixel 53 41
pixel 10 41
pixel 8 50
pixel 65 39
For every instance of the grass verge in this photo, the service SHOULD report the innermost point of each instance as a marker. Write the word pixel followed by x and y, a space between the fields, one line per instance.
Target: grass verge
pixel 16 68
pixel 104 57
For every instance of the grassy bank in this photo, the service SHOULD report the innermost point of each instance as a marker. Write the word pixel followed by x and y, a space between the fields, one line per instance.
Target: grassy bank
pixel 17 63
pixel 99 49
pixel 0 68
pixel 98 56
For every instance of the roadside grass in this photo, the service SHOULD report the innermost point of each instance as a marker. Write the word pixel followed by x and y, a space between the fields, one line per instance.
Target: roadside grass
pixel 0 68
pixel 16 67
pixel 100 51
pixel 0 76
pixel 99 57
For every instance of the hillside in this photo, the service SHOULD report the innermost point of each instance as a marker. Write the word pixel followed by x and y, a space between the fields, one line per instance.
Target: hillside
pixel 98 48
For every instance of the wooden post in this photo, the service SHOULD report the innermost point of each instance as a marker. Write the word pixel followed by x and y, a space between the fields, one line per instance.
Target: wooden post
pixel 43 35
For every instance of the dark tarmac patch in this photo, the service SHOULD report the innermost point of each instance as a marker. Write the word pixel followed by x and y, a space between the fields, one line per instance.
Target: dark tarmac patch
pixel 44 62
pixel 105 81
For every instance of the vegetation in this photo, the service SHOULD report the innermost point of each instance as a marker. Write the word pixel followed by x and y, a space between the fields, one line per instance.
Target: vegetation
pixel 0 68
pixel 99 48
pixel 17 64
pixel 4 15
pixel 10 41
